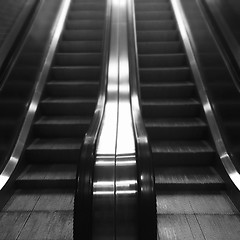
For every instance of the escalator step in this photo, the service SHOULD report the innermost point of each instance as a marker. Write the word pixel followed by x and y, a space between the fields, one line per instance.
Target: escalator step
pixel 91 6
pixel 47 176
pixel 77 59
pixel 151 6
pixel 188 178
pixel 156 25
pixel 71 126
pixel 72 89
pixel 159 47
pixel 176 129
pixel 153 15
pixel 84 25
pixel 167 90
pixel 171 108
pixel 59 150
pixel 80 35
pixel 67 106
pixel 165 75
pixel 162 60
pixel 75 73
pixel 182 153
pixel 80 47
pixel 78 15
pixel 157 36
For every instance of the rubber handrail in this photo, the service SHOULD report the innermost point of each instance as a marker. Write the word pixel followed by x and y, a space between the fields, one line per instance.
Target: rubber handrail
pixel 228 45
pixel 82 227
pixel 147 219
pixel 13 42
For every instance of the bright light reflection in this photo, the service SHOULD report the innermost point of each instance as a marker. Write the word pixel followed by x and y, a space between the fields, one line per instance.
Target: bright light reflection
pixel 103 184
pixel 126 192
pixel 3 180
pixel 126 163
pixel 33 107
pixel 103 192
pixel 118 163
pixel 120 192
pixel 126 183
pixel 105 163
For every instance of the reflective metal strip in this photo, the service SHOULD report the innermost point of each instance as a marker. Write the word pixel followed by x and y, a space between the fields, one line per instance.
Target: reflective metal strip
pixel 115 181
pixel 21 141
pixel 220 146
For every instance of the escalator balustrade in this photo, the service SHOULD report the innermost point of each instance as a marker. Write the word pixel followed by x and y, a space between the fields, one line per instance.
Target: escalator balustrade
pixel 191 198
pixel 41 206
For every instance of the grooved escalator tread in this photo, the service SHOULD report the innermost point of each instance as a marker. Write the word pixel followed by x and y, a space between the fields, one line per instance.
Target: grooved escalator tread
pixel 188 178
pixel 55 144
pixel 84 24
pixel 159 47
pixel 80 46
pixel 47 176
pixel 156 25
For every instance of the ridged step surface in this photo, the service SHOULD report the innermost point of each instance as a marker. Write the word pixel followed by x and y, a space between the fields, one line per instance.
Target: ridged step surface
pixel 42 205
pixel 191 198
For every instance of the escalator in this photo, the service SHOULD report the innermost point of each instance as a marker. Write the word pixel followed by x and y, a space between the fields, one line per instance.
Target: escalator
pixel 192 202
pixel 41 206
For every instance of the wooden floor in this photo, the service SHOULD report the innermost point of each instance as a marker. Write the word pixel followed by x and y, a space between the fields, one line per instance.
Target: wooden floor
pixel 38 215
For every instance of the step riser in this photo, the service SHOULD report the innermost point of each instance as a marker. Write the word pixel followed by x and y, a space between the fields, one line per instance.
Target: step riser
pixel 77 60
pixel 75 74
pixel 174 133
pixel 183 159
pixel 171 111
pixel 162 92
pixel 80 47
pixel 61 131
pixel 164 76
pixel 53 156
pixel 150 16
pixel 162 61
pixel 71 108
pixel 157 36
pixel 66 90
pixel 159 48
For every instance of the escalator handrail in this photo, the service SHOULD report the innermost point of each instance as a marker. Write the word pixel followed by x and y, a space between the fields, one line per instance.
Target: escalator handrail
pixel 147 216
pixel 11 47
pixel 197 71
pixel 225 40
pixel 85 169
pixel 19 146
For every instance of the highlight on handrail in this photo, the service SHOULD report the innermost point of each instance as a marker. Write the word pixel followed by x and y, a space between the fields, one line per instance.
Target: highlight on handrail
pixel 147 213
pixel 23 135
pixel 197 72
pixel 82 225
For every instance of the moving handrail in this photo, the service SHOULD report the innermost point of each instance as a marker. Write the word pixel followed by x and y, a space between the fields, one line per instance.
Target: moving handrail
pixel 147 219
pixel 11 43
pixel 225 38
pixel 226 160
pixel 82 226
pixel 13 161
